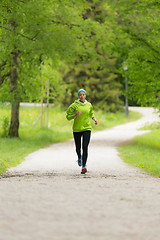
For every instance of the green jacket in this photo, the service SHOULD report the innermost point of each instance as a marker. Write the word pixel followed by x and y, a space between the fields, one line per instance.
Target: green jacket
pixel 81 122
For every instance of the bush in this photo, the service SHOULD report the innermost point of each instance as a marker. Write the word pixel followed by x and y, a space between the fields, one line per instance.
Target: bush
pixel 5 126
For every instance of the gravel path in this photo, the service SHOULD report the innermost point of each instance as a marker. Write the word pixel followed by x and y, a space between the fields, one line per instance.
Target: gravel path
pixel 46 197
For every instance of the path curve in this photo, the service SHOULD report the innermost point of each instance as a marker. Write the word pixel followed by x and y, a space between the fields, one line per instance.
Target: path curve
pixel 47 198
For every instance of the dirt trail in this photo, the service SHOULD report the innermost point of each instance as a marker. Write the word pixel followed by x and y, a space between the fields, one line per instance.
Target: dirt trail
pixel 47 198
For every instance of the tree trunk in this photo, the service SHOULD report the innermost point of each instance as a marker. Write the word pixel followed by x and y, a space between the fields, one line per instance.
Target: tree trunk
pixel 14 125
pixel 15 100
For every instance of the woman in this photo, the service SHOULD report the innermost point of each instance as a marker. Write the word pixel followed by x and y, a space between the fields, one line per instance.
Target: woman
pixel 81 111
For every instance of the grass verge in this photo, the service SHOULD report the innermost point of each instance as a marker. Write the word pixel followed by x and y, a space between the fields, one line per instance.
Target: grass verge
pixel 13 151
pixel 144 152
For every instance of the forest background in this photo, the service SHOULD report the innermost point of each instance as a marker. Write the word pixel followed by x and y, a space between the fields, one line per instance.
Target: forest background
pixel 53 48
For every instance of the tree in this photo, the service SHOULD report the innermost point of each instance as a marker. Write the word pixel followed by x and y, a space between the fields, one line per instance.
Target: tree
pixel 138 24
pixel 30 33
pixel 94 68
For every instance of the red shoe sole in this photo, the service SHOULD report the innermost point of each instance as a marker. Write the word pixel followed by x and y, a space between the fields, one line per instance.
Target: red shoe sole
pixel 84 170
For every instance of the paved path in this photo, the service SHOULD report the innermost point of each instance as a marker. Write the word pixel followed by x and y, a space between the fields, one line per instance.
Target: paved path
pixel 46 197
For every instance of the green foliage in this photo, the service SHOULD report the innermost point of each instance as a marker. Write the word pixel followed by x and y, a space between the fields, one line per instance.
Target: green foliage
pixel 37 30
pixel 151 126
pixel 91 39
pixel 32 33
pixel 144 152
pixel 88 35
pixel 102 89
pixel 5 126
pixel 3 167
pixel 4 119
pixel 94 69
pixel 48 76
pixel 138 30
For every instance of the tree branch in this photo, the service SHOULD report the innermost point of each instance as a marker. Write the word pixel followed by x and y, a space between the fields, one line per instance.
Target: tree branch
pixel 65 23
pixel 2 64
pixel 22 35
pixel 126 28
pixel 4 77
pixel 140 39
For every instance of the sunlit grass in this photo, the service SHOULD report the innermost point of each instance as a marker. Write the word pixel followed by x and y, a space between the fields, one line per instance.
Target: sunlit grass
pixel 109 120
pixel 144 152
pixel 33 137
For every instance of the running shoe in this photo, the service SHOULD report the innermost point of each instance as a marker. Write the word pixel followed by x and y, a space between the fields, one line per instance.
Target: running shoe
pixel 84 170
pixel 79 162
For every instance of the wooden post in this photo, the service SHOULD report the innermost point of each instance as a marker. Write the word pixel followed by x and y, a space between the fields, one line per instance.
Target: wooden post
pixel 42 106
pixel 47 103
pixel 126 98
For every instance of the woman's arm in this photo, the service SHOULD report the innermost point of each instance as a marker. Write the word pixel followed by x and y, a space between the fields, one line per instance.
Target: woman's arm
pixel 91 114
pixel 71 112
pixel 96 122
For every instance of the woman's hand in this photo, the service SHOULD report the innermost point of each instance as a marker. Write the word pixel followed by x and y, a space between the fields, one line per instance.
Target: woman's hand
pixel 77 114
pixel 96 122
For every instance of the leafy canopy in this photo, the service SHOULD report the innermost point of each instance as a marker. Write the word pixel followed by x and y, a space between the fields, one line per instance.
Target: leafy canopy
pixel 138 30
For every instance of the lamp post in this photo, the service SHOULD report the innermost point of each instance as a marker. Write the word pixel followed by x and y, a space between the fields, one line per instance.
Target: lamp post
pixel 125 68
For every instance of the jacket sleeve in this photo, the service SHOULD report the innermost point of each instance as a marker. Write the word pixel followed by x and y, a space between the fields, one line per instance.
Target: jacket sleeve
pixel 71 111
pixel 91 113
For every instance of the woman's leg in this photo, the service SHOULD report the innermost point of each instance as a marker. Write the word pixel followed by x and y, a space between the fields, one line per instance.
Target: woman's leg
pixel 86 140
pixel 77 140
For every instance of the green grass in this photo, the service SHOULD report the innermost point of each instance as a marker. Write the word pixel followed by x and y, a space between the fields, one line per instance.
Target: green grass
pixel 13 151
pixel 144 152
pixel 152 126
pixel 109 120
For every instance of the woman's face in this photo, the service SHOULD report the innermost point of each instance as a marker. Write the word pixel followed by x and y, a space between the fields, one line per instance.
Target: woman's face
pixel 82 96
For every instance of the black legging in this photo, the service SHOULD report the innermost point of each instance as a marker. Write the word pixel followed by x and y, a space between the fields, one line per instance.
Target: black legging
pixel 86 139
